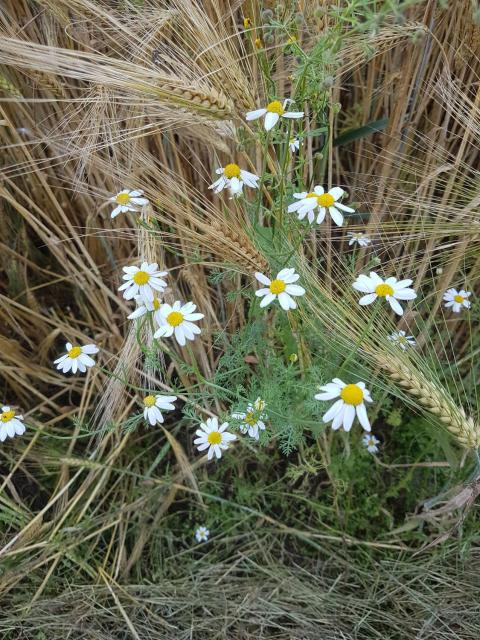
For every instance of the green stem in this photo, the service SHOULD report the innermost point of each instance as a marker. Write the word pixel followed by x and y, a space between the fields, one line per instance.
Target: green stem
pixel 355 349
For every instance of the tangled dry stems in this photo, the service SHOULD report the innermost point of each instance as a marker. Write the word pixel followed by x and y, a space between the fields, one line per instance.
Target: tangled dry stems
pixel 394 172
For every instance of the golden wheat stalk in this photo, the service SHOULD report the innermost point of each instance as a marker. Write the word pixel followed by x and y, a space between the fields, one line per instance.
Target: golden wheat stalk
pixel 117 75
pixel 236 246
pixel 434 399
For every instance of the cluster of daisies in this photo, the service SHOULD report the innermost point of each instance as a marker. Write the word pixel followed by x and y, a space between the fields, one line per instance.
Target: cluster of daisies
pixel 145 284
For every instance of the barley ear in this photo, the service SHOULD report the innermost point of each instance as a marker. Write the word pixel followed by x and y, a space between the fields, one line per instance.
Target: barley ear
pixel 436 400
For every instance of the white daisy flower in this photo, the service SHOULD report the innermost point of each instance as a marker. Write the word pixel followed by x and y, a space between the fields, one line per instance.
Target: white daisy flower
pixel 294 144
pixel 252 420
pixel 370 442
pixel 152 406
pixel 457 299
pixel 282 288
pixel 273 111
pixel 213 437
pixel 128 200
pixel 318 199
pixel 359 238
pixel 351 401
pixel 143 281
pixel 401 338
pixel 11 424
pixel 202 534
pixel 76 358
pixel 391 289
pixel 234 178
pixel 146 306
pixel 178 319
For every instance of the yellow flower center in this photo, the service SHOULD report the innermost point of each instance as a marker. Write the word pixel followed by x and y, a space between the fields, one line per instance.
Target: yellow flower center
pixel 371 442
pixel 141 277
pixel 231 171
pixel 7 416
pixel 215 437
pixel 175 318
pixel 74 352
pixel 383 290
pixel 351 394
pixel 251 418
pixel 123 198
pixel 149 401
pixel 325 200
pixel 156 304
pixel 276 107
pixel 458 298
pixel 277 286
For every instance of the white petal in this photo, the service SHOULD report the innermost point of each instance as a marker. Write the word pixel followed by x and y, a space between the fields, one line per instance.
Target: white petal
pixel 405 294
pixel 285 273
pixel 286 301
pixel 254 115
pixel 86 360
pixel 368 299
pixel 267 299
pixel 336 193
pixel 364 285
pixel 343 207
pixel 348 416
pixel 262 279
pixel 337 422
pixel 271 120
pixel 333 411
pixel 321 215
pixel 116 211
pixel 327 395
pixel 90 348
pixel 295 290
pixel 363 417
pixel 138 313
pixel 396 306
pixel 235 185
pixel 180 336
pixel 293 114
pixel 336 216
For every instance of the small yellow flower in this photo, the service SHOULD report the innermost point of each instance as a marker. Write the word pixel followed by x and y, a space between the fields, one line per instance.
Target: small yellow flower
pixel 258 43
pixel 247 23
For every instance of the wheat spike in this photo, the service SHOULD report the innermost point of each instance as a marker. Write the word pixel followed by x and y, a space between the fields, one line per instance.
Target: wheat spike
pixel 236 246
pixel 435 400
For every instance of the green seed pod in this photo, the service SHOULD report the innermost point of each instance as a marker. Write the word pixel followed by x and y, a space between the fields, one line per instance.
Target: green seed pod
pixel 328 82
